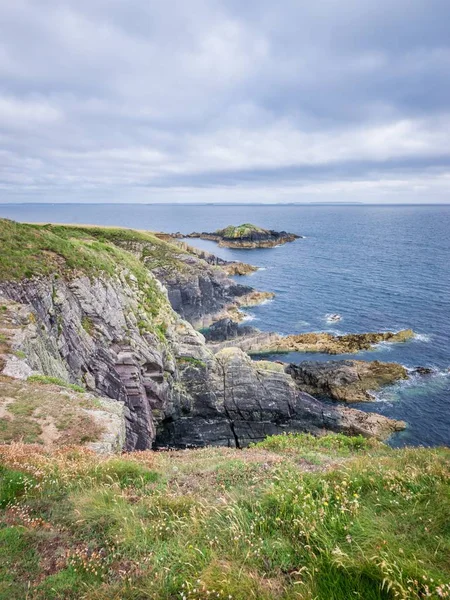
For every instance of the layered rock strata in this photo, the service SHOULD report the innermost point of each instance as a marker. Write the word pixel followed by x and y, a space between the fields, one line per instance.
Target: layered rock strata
pixel 345 380
pixel 90 311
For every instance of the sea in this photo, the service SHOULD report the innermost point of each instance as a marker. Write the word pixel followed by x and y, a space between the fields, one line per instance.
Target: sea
pixel 382 268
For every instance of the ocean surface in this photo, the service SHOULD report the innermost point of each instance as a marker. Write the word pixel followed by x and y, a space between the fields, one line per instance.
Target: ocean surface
pixel 380 267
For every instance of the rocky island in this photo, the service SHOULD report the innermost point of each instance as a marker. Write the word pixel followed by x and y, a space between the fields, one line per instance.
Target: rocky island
pixel 246 236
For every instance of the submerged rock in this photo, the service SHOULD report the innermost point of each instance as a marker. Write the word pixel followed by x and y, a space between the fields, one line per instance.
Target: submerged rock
pixel 345 380
pixel 247 236
pixel 423 370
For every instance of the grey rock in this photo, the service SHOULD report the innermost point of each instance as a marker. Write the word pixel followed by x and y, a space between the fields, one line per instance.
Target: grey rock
pixel 345 380
pixel 227 329
pixel 175 392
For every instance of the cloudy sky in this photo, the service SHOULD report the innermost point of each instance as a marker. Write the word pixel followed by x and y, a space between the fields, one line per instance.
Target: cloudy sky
pixel 224 101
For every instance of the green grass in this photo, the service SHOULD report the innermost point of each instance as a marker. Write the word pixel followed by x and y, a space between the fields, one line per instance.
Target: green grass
pixel 18 562
pixel 239 231
pixel 220 523
pixel 190 360
pixel 46 379
pixel 13 485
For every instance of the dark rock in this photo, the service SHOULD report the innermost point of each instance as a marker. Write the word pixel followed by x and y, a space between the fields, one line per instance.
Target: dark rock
pixel 345 380
pixel 423 371
pixel 234 401
pixel 227 329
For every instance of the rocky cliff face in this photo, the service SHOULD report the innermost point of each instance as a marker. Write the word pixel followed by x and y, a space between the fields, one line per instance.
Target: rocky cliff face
pixel 231 400
pixel 198 284
pixel 107 324
pixel 87 332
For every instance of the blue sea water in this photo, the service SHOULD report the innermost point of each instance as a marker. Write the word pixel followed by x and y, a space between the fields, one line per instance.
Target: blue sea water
pixel 380 267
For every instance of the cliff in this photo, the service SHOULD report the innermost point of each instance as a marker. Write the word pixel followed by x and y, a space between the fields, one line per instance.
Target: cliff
pixel 90 310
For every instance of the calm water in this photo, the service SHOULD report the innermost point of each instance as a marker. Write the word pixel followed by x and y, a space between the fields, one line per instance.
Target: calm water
pixel 380 267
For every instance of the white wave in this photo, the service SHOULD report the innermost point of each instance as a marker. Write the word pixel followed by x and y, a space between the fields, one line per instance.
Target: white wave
pixel 385 397
pixel 268 301
pixel 333 331
pixel 385 346
pixel 249 317
pixel 332 317
pixel 422 337
pixel 262 268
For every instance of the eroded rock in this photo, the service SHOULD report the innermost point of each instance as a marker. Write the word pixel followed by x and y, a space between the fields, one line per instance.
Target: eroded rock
pixel 345 380
pixel 331 344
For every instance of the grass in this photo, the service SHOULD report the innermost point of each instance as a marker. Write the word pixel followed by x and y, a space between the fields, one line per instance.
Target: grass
pixel 46 379
pixel 367 522
pixel 43 410
pixel 239 231
pixel 190 360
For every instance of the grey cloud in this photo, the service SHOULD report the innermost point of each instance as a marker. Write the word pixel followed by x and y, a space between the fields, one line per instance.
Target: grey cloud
pixel 224 99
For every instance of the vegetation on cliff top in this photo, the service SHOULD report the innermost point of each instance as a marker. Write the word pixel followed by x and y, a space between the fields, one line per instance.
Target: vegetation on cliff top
pixel 327 518
pixel 28 250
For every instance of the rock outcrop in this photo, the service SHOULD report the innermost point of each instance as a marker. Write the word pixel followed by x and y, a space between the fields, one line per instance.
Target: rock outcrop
pixel 228 330
pixel 233 401
pixel 345 380
pixel 327 343
pixel 230 267
pixel 246 236
pixel 198 284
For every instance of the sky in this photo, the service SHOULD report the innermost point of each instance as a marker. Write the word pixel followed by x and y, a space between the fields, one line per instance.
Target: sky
pixel 225 101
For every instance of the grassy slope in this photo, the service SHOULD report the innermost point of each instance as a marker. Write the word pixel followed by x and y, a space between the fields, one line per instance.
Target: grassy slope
pixel 46 410
pixel 293 517
pixel 28 251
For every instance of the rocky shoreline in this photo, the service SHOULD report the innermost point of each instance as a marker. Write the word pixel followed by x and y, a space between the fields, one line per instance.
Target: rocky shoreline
pixel 227 331
pixel 114 311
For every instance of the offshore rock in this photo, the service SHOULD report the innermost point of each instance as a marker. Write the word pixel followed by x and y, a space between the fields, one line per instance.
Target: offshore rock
pixel 345 380
pixel 246 236
pixel 331 344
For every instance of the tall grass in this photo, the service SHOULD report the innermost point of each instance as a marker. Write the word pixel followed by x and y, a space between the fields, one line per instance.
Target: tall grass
pixel 363 521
